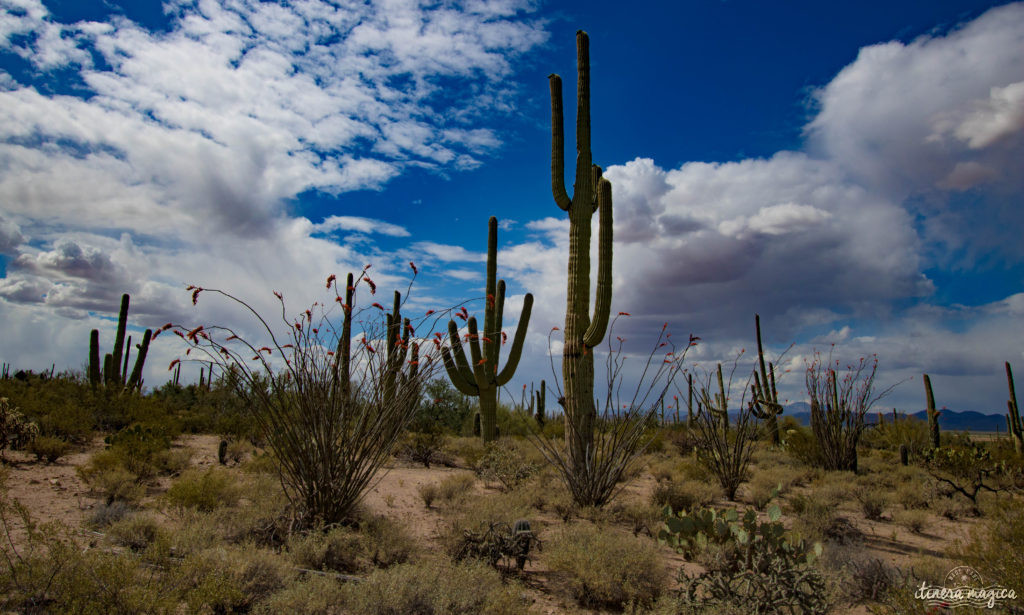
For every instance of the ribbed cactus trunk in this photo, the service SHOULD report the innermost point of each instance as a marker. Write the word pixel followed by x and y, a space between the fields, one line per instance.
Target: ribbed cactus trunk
pixel 479 376
pixel 765 398
pixel 1013 418
pixel 591 193
pixel 933 414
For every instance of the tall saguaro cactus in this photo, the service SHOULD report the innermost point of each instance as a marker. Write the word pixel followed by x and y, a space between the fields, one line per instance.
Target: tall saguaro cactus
pixel 113 376
pixel 933 414
pixel 765 403
pixel 482 378
pixel 1013 419
pixel 591 193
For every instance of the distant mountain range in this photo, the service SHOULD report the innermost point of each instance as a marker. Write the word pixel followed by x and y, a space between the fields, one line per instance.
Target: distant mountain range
pixel 949 420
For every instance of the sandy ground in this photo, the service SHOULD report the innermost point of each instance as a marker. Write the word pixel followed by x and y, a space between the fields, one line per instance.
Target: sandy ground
pixel 55 492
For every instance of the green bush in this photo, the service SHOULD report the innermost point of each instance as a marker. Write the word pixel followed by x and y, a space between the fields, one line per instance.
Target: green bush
pixel 434 589
pixel 508 462
pixel 204 489
pixel 137 532
pixel 684 495
pixel 49 448
pixel 340 550
pixel 604 569
pixel 996 548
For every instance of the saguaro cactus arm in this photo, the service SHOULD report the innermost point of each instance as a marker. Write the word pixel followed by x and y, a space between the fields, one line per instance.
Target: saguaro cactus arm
pixel 557 145
pixel 135 379
pixel 602 305
pixel 933 414
pixel 122 325
pixel 1013 418
pixel 516 351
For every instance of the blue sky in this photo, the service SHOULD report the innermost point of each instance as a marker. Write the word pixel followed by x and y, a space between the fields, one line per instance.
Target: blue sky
pixel 851 171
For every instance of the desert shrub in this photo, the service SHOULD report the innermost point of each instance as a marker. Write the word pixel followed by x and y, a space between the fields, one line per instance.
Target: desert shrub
pixel 173 461
pixel 425 448
pixel 906 430
pixel 684 495
pixel 204 489
pixel 428 493
pixel 333 421
pixel 873 501
pixel 765 487
pixel 15 429
pixel 802 446
pixel 470 450
pixel 455 486
pixel 913 496
pixel 605 569
pixel 388 543
pixel 135 532
pixel 434 589
pixel 315 595
pixel 340 549
pixel 105 514
pixel 231 580
pixel 815 518
pixel 914 520
pixel 681 439
pixel 644 518
pixel 480 512
pixel 109 479
pixel 969 470
pixel 723 447
pixel 838 406
pixel 136 448
pixel 996 548
pixel 508 463
pixel 863 578
pixel 663 469
pixel 48 448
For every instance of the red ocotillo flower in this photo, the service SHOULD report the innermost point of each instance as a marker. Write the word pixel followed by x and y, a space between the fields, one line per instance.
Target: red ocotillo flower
pixel 278 295
pixel 481 361
pixel 461 315
pixel 309 315
pixel 373 287
pixel 192 334
pixel 624 314
pixel 266 350
pixel 413 266
pixel 231 337
pixel 195 295
pixel 504 337
pixel 429 312
pixel 330 279
pixel 173 363
pixel 298 326
pixel 378 306
pixel 410 328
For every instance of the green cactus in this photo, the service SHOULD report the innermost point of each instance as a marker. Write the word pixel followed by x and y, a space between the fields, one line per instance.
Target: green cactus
pixel 591 193
pixel 933 414
pixel 398 330
pixel 1013 420
pixel 482 378
pixel 343 353
pixel 719 406
pixel 539 398
pixel 114 376
pixel 765 397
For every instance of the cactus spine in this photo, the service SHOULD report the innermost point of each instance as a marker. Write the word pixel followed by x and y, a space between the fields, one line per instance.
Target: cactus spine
pixel 114 375
pixel 765 398
pixel 591 193
pixel 1013 420
pixel 482 379
pixel 933 414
